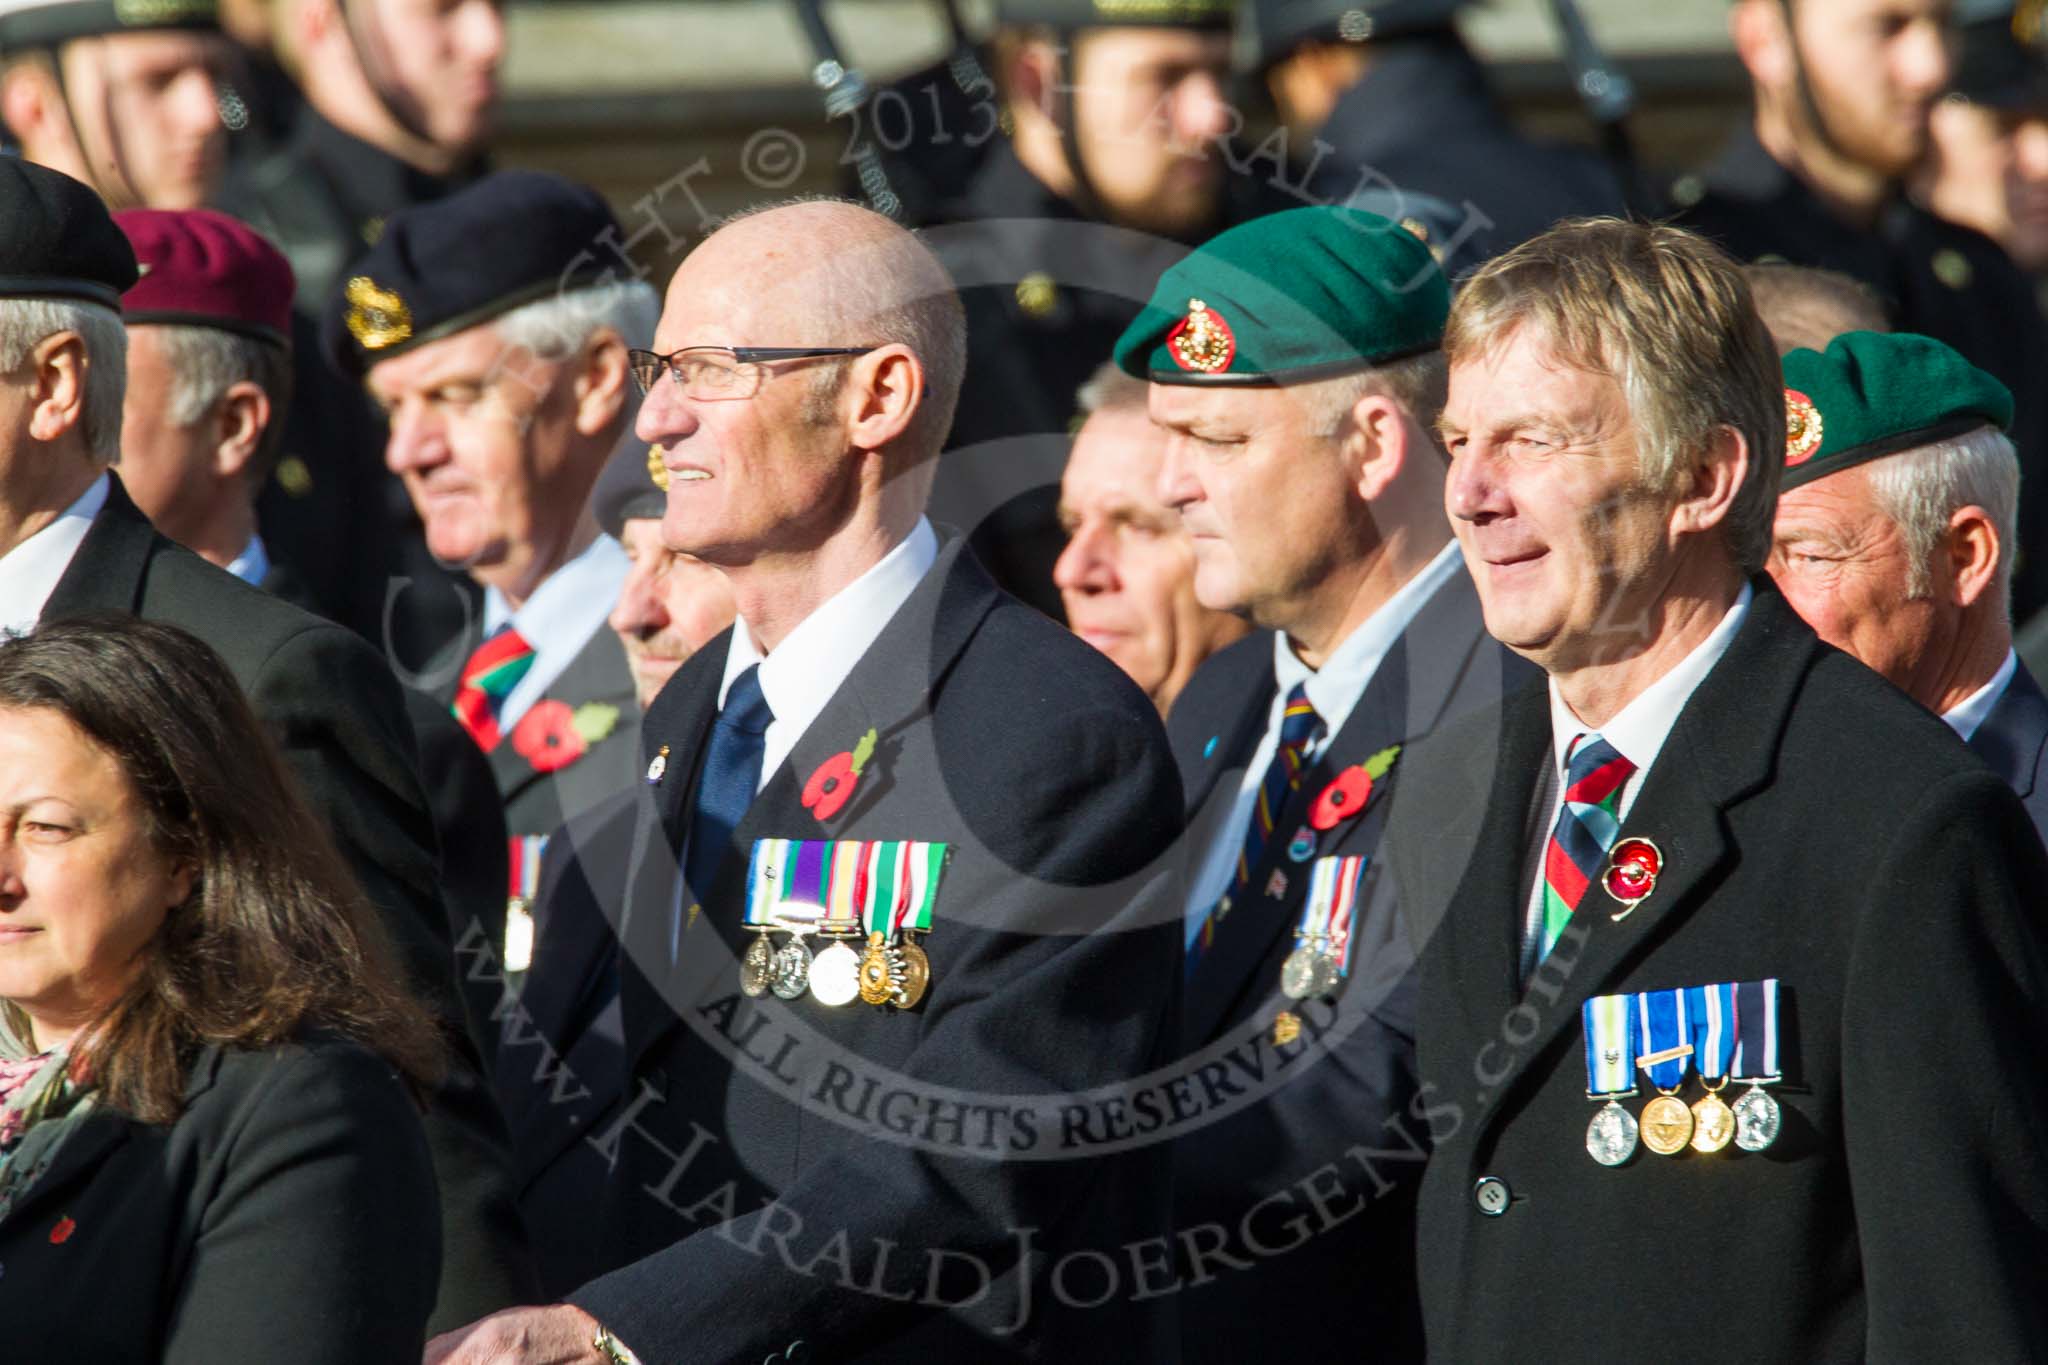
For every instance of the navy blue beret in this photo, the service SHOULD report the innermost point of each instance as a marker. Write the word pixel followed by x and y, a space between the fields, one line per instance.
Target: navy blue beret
pixel 511 238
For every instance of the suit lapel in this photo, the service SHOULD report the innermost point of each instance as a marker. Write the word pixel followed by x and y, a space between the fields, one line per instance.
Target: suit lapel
pixel 592 676
pixel 112 563
pixel 2011 738
pixel 1235 702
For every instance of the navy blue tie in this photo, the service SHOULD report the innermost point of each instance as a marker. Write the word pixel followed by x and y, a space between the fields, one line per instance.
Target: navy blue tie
pixel 732 773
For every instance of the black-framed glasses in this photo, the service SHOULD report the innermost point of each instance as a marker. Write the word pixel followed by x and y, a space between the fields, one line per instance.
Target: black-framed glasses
pixel 713 373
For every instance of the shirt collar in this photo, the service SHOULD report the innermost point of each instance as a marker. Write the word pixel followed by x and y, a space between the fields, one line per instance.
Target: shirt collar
pixel 1336 687
pixel 569 603
pixel 799 678
pixel 1637 732
pixel 252 566
pixel 30 571
pixel 1969 713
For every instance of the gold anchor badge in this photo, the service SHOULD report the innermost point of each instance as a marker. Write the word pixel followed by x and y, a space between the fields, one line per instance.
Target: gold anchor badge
pixel 377 318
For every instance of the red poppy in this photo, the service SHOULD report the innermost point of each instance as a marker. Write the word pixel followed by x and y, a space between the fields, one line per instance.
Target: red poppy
pixel 1632 869
pixel 61 1234
pixel 546 736
pixel 1343 798
pixel 831 786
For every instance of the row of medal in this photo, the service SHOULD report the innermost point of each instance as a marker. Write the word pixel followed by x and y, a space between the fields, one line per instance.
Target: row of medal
pixel 842 891
pixel 522 861
pixel 1321 958
pixel 1725 1032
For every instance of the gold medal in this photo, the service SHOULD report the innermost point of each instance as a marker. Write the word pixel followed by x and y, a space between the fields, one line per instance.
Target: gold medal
pixel 1666 1125
pixel 914 973
pixel 1713 1123
pixel 876 987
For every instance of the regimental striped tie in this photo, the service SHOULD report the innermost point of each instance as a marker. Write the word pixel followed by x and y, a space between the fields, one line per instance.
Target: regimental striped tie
pixel 1300 727
pixel 487 679
pixel 1587 822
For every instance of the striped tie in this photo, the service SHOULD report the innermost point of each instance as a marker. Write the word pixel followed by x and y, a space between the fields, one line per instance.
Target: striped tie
pixel 1586 825
pixel 1300 726
pixel 487 679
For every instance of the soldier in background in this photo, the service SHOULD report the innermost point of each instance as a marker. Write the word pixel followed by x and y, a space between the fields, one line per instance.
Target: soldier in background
pixel 1387 95
pixel 123 97
pixel 1805 306
pixel 1987 164
pixel 1844 90
pixel 399 101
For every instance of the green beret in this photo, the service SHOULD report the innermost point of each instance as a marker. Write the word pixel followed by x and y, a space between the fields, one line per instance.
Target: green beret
pixel 1290 297
pixel 1877 393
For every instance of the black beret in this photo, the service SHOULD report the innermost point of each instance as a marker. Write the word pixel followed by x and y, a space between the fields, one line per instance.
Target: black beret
pixel 1994 65
pixel 1280 26
pixel 57 239
pixel 509 239
pixel 46 23
pixel 632 485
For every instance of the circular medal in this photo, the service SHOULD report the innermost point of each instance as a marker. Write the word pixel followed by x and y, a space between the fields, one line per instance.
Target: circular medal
pixel 1297 973
pixel 790 975
pixel 1323 974
pixel 1756 1120
pixel 1611 1136
pixel 757 965
pixel 835 975
pixel 915 972
pixel 1667 1125
pixel 1713 1123
pixel 876 986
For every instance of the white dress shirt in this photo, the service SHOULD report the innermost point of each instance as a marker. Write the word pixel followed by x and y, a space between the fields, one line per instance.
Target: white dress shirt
pixel 1637 732
pixel 252 566
pixel 1333 690
pixel 799 678
pixel 30 571
pixel 1969 713
pixel 569 607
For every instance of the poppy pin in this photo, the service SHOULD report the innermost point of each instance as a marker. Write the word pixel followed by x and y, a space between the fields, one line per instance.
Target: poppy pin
pixel 61 1233
pixel 831 786
pixel 1631 875
pixel 1346 795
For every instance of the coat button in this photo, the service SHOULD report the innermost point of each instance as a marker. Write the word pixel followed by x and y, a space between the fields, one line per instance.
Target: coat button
pixel 1491 1195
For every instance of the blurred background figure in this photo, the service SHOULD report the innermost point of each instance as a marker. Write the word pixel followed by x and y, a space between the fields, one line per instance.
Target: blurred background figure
pixel 399 99
pixel 495 339
pixel 210 1074
pixel 126 97
pixel 670 604
pixel 1127 576
pixel 1894 532
pixel 1805 306
pixel 1112 166
pixel 1389 96
pixel 1987 161
pixel 1843 92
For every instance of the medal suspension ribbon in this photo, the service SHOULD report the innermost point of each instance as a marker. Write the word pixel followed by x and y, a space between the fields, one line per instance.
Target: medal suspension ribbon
pixel 1349 875
pixel 1610 1022
pixel 1756 1031
pixel 1713 1031
pixel 1661 1016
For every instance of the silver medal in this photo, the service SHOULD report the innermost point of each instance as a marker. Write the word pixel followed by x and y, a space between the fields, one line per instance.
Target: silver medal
pixel 1756 1120
pixel 756 966
pixel 835 975
pixel 790 976
pixel 1323 973
pixel 1611 1136
pixel 1297 973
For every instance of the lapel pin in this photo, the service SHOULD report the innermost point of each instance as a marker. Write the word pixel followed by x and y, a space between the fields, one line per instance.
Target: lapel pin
pixel 1303 846
pixel 1209 749
pixel 1276 885
pixel 61 1233
pixel 656 768
pixel 1632 868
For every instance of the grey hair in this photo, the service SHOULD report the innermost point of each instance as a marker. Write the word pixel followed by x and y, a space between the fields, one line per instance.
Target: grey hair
pixel 205 362
pixel 1109 389
pixel 27 323
pixel 1920 489
pixel 1417 382
pixel 558 326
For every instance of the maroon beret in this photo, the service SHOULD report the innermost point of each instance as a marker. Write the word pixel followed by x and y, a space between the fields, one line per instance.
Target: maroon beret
pixel 205 269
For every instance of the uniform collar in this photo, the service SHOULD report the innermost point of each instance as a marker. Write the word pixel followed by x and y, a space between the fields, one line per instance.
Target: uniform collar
pixel 1969 713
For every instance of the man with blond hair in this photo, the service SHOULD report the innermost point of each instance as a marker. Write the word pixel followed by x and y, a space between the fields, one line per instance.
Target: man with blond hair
pixel 913 928
pixel 1733 1003
pixel 1895 536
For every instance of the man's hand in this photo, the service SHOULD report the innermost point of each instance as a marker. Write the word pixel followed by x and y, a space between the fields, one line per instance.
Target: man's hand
pixel 557 1334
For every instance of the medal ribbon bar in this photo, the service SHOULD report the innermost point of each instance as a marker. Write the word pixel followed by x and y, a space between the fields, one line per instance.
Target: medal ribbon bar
pixel 1664 1036
pixel 1610 1046
pixel 1756 1030
pixel 765 880
pixel 1348 874
pixel 1713 1029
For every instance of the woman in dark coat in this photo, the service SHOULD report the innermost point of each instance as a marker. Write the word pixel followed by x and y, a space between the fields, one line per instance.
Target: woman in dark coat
pixel 210 1141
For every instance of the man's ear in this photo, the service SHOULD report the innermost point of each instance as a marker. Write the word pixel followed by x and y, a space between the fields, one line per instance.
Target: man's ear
pixel 240 420
pixel 1763 42
pixel 1971 548
pixel 1032 77
pixel 600 385
pixel 886 389
pixel 1712 480
pixel 1376 445
pixel 59 365
pixel 28 101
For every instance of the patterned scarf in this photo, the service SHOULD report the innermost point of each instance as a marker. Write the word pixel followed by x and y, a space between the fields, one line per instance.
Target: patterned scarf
pixel 41 1104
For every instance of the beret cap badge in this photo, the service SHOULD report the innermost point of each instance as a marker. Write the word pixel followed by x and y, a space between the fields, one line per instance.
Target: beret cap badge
pixel 377 317
pixel 1802 427
pixel 1202 341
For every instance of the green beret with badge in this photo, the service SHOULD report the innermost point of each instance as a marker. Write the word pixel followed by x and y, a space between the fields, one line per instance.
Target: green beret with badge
pixel 1872 394
pixel 1289 298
